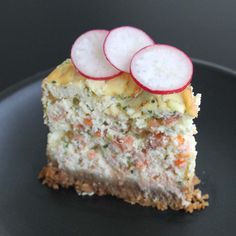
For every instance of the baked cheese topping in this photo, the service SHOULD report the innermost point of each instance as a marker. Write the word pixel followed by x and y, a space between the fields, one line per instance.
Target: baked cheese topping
pixel 122 85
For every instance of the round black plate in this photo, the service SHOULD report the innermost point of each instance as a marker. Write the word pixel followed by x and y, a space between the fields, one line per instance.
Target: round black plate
pixel 28 208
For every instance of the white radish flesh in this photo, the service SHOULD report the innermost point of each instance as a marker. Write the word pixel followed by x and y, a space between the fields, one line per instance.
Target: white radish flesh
pixel 161 69
pixel 122 43
pixel 88 57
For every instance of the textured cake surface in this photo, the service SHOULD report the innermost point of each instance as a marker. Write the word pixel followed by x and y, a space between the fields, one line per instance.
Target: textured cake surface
pixel 111 137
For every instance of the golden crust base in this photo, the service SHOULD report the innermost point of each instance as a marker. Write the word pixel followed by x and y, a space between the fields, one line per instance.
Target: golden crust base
pixel 54 177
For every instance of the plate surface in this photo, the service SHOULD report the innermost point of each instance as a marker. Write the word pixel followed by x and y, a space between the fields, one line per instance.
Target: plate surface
pixel 28 208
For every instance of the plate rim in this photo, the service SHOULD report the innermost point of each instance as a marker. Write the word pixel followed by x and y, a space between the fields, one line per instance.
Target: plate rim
pixel 12 88
pixel 16 86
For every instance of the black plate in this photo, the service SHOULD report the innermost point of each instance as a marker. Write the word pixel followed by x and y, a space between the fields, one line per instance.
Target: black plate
pixel 28 208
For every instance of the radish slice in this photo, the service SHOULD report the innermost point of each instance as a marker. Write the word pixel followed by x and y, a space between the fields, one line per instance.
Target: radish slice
pixel 122 43
pixel 161 69
pixel 88 57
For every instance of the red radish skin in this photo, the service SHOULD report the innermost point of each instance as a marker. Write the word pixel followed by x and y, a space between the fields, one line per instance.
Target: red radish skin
pixel 92 63
pixel 97 78
pixel 170 90
pixel 148 41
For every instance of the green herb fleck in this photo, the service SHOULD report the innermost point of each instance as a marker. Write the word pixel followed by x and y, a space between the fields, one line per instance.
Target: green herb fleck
pixel 124 108
pixel 149 111
pixel 75 101
pixel 91 109
pixel 105 146
pixel 153 101
pixel 105 123
pixel 54 82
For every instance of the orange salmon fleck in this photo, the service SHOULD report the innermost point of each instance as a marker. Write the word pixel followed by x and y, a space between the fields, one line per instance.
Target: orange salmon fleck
pixel 91 154
pixel 154 123
pixel 98 134
pixel 179 162
pixel 88 121
pixel 180 139
pixel 182 155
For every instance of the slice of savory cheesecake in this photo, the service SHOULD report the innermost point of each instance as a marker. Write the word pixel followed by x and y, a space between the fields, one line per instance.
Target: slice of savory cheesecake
pixel 111 137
